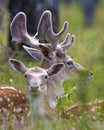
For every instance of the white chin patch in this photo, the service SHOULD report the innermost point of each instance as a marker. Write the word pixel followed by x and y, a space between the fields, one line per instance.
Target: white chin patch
pixel 53 104
pixel 90 77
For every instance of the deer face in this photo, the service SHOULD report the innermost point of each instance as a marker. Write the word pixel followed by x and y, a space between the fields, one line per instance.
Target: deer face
pixel 36 77
pixel 36 80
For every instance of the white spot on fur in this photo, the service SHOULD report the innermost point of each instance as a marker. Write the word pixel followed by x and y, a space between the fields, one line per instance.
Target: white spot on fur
pixel 53 104
pixel 23 97
pixel 19 110
pixel 9 105
pixel 20 91
pixel 93 117
pixel 8 99
pixel 22 120
pixel 4 109
pixel 8 88
pixel 5 96
pixel 29 113
pixel 12 103
pixel 26 109
pixel 93 109
pixel 14 109
pixel 17 95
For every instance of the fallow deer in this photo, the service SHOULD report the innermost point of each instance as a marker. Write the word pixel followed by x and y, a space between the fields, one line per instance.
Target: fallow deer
pixel 39 95
pixel 48 53
pixel 15 112
pixel 39 80
pixel 14 108
pixel 52 52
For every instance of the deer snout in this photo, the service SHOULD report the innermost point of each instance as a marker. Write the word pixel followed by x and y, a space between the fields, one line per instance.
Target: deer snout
pixel 90 75
pixel 34 87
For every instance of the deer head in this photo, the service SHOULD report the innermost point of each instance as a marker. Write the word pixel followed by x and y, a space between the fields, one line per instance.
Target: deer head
pixel 49 57
pixel 38 80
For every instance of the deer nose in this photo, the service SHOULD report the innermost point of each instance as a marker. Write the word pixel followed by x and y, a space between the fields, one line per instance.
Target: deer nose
pixel 91 73
pixel 32 87
pixel 90 76
pixel 37 87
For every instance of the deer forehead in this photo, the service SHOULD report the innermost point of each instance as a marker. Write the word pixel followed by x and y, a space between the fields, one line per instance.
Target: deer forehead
pixel 36 71
pixel 62 58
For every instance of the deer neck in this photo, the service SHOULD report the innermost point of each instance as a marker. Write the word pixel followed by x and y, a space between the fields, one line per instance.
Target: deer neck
pixel 40 106
pixel 55 85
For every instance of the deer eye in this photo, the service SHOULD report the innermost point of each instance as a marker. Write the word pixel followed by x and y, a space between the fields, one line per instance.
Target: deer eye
pixel 69 62
pixel 25 76
pixel 46 77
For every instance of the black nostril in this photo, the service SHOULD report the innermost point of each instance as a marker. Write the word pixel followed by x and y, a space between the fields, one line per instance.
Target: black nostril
pixel 37 87
pixel 31 86
pixel 91 73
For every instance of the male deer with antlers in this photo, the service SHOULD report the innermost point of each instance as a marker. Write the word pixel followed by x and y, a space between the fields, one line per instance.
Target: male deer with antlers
pixel 47 53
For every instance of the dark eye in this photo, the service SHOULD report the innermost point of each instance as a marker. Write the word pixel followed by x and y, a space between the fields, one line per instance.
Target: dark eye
pixel 25 76
pixel 69 62
pixel 46 77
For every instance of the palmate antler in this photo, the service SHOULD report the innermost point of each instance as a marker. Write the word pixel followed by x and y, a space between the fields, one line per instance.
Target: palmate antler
pixel 62 47
pixel 19 31
pixel 44 31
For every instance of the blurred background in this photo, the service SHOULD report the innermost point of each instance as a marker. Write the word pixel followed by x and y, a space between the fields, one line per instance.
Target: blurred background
pixel 86 22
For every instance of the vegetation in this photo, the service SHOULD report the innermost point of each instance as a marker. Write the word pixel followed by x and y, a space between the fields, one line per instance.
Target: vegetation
pixel 88 50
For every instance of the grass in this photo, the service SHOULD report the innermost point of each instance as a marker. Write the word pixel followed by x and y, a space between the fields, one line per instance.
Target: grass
pixel 88 50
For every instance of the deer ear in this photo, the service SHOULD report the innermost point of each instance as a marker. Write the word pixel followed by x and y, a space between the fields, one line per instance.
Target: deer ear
pixel 36 54
pixel 46 50
pixel 17 66
pixel 54 69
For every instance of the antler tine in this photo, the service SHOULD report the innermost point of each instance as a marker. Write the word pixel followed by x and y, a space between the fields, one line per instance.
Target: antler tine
pixel 44 23
pixel 66 40
pixel 19 31
pixel 66 45
pixel 60 47
pixel 59 35
pixel 45 30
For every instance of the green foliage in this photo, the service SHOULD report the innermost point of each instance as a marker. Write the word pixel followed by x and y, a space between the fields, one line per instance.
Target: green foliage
pixel 87 50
